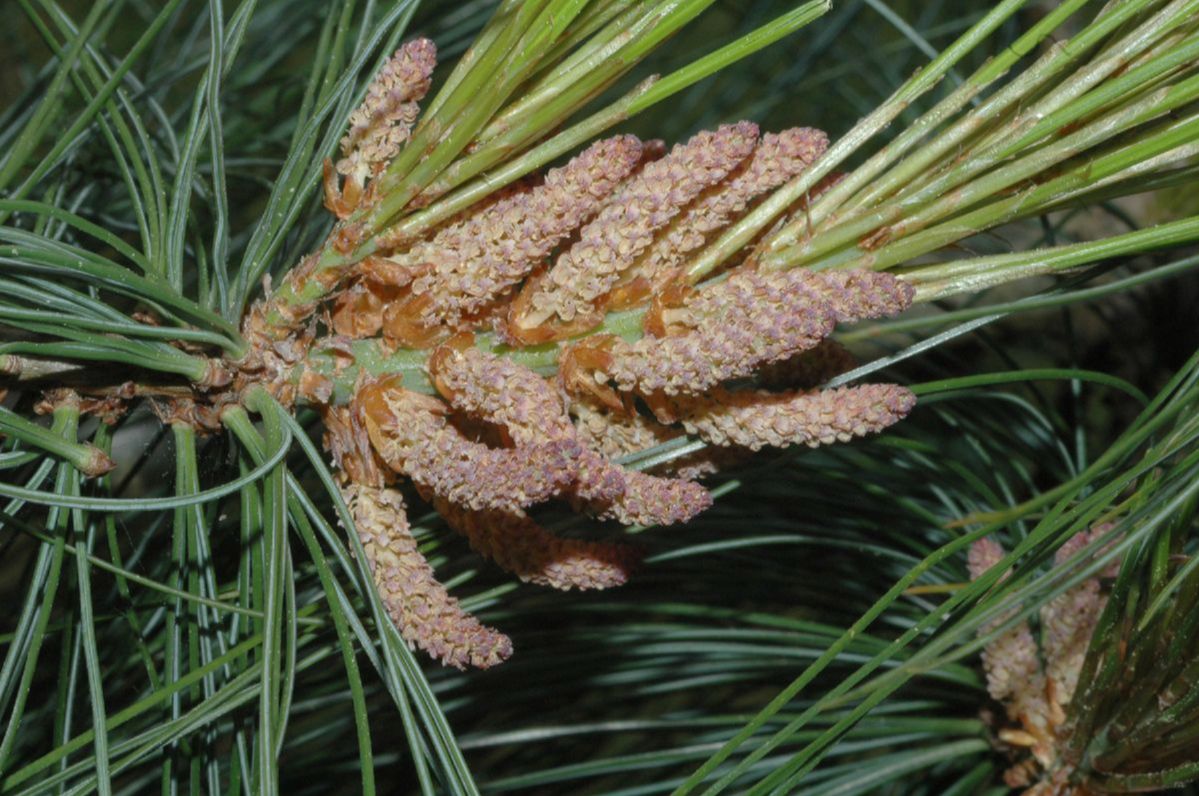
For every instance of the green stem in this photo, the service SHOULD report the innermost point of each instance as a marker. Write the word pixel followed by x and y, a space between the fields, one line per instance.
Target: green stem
pixel 275 524
pixel 116 327
pixel 39 124
pixel 86 458
pixel 65 139
pixel 979 273
pixel 593 28
pixel 734 51
pixel 1110 93
pixel 376 359
pixel 49 571
pixel 32 255
pixel 82 224
pixel 87 627
pixel 442 136
pixel 932 282
pixel 126 576
pixel 238 422
pixel 597 67
pixel 563 95
pixel 466 64
pixel 1023 203
pixel 294 293
pixel 570 67
pixel 114 350
pixel 737 236
pixel 869 179
pixel 124 716
pixel 410 227
pixel 860 219
pixel 905 218
pixel 1063 496
pixel 1059 103
pixel 646 94
pixel 1148 175
pixel 302 287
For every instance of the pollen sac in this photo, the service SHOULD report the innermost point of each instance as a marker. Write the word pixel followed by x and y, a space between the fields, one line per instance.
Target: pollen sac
pixel 982 556
pixel 756 419
pixel 411 434
pixel 617 433
pixel 533 412
pixel 778 158
pixel 471 264
pixel 726 338
pixel 381 125
pixel 530 408
pixel 1036 697
pixel 519 545
pixel 1012 665
pixel 1068 621
pixel 732 327
pixel 611 244
pixel 856 295
pixel 1011 662
pixel 423 611
pixel 653 500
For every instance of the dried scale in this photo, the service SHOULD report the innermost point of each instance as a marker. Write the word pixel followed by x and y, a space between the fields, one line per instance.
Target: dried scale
pixel 547 262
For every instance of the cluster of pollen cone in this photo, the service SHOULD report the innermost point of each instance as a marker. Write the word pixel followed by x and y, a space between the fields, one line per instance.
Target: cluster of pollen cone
pixel 1035 680
pixel 734 361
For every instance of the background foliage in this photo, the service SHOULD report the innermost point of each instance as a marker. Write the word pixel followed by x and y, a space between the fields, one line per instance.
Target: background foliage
pixel 624 692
